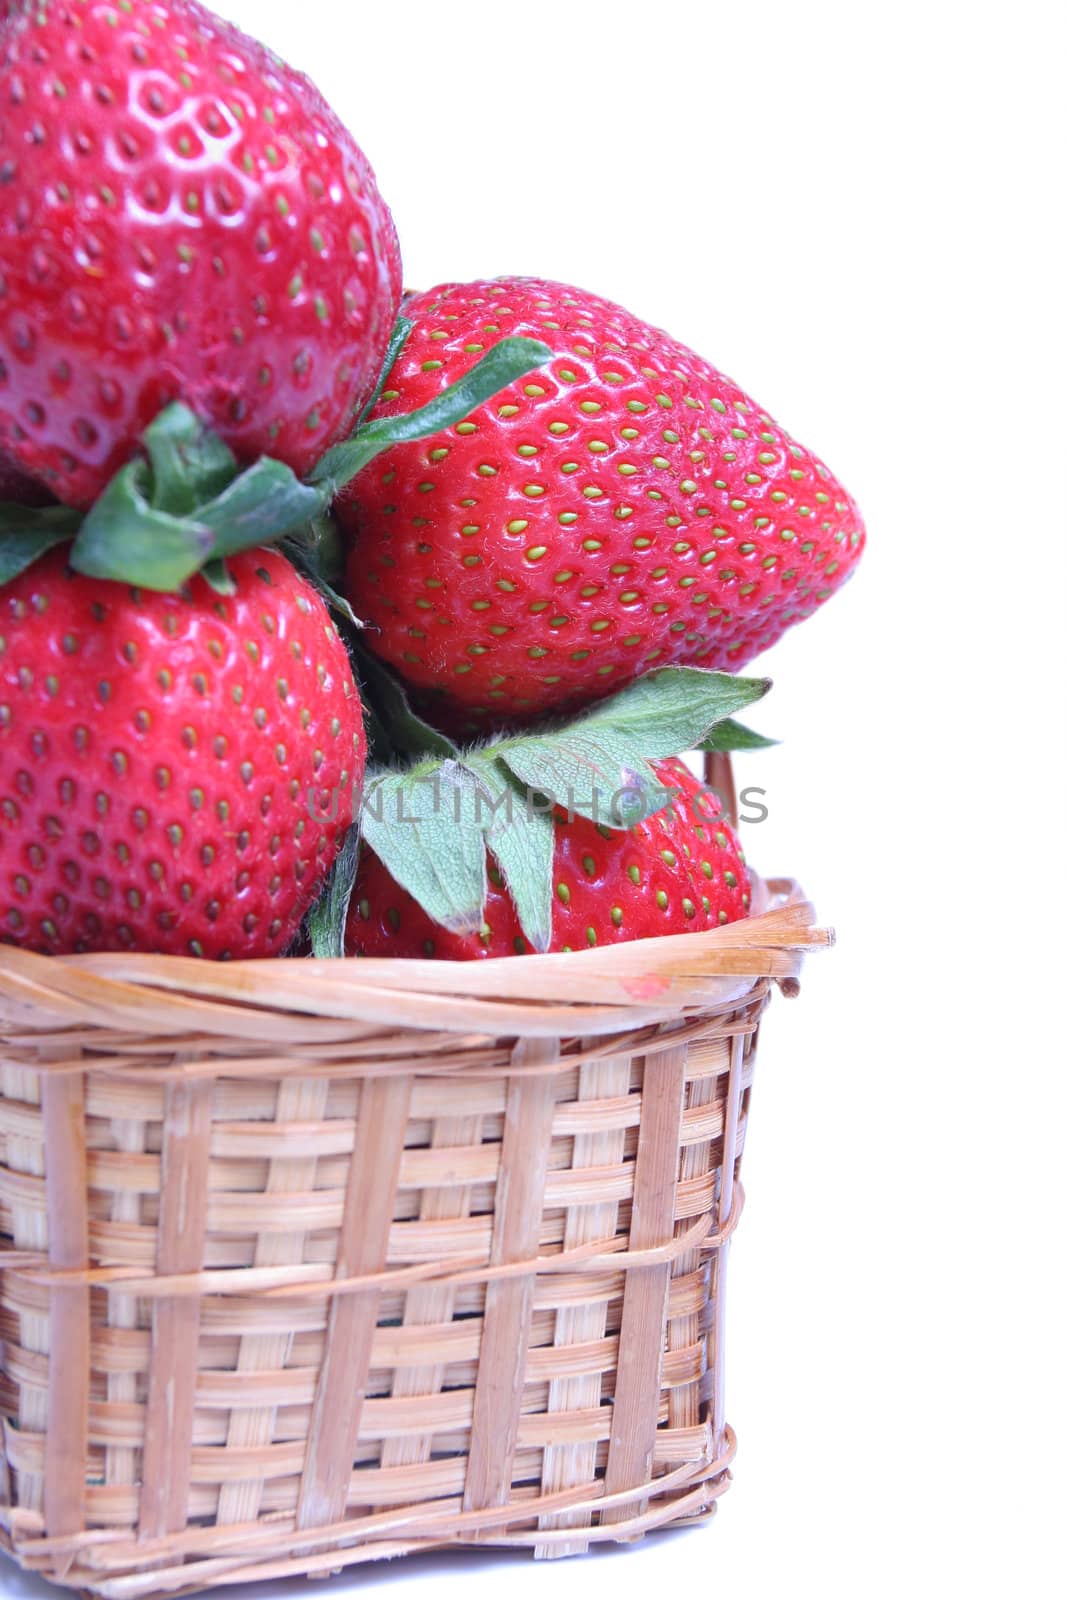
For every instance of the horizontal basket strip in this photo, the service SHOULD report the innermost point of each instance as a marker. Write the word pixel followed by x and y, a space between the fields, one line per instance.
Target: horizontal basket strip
pixel 114 1547
pixel 277 1284
pixel 651 979
pixel 676 1509
pixel 228 1572
pixel 223 1321
pixel 291 1390
pixel 473 1064
pixel 105 1551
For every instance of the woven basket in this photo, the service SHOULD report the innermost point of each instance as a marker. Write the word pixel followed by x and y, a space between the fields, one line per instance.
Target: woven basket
pixel 307 1264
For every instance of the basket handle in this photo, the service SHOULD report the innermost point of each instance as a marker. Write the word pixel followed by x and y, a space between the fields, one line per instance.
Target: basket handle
pixel 719 776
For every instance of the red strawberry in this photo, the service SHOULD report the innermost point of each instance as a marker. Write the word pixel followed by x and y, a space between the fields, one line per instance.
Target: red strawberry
pixel 680 871
pixel 183 217
pixel 625 508
pixel 167 761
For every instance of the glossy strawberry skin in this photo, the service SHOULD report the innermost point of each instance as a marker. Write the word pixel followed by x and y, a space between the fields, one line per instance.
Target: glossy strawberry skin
pixel 681 871
pixel 183 218
pixel 169 763
pixel 627 507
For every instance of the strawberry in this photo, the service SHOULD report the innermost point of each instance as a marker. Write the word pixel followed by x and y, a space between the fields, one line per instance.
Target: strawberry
pixel 625 508
pixel 170 764
pixel 183 217
pixel 680 871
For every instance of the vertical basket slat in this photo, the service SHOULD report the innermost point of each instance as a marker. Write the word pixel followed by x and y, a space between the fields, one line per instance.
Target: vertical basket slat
pixel 705 1091
pixel 731 1124
pixel 644 1312
pixel 362 1248
pixel 566 1465
pixel 121 1461
pixel 67 1437
pixel 176 1321
pixel 29 1231
pixel 432 1304
pixel 509 1301
pixel 299 1100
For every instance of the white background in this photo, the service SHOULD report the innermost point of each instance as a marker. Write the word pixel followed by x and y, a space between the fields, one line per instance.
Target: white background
pixel 850 208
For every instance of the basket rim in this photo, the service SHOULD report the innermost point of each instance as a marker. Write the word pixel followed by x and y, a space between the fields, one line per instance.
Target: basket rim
pixel 638 983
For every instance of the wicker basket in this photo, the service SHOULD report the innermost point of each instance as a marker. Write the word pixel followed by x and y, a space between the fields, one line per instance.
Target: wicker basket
pixel 306 1264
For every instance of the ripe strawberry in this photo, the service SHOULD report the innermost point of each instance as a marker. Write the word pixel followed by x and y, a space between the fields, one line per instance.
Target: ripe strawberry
pixel 680 871
pixel 183 217
pixel 167 760
pixel 627 507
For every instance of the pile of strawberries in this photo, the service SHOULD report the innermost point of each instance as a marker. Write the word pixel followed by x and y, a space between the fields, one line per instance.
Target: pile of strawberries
pixel 258 505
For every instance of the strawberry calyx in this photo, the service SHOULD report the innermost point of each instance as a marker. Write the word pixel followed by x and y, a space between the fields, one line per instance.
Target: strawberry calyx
pixel 132 536
pixel 29 532
pixel 431 822
pixel 729 736
pixel 186 504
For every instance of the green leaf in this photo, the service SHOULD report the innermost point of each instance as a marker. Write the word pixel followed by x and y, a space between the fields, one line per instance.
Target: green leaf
pixel 266 502
pixel 432 825
pixel 522 838
pixel 671 710
pixel 27 532
pixel 402 330
pixel 599 765
pixel 730 735
pixel 190 464
pixel 329 916
pixel 505 363
pixel 126 539
pixel 603 778
pixel 400 732
pixel 217 575
pixel 424 827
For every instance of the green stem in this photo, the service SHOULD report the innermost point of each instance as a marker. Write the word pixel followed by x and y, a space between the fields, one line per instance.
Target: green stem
pixel 399 337
pixel 505 363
